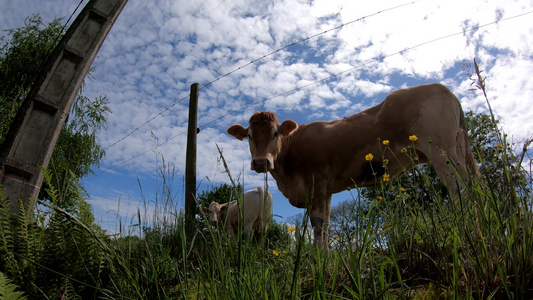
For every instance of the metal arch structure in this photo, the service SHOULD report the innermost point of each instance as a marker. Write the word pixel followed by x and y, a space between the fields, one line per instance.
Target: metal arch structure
pixel 33 134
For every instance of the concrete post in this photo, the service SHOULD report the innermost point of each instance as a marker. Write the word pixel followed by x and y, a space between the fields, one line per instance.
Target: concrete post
pixel 32 136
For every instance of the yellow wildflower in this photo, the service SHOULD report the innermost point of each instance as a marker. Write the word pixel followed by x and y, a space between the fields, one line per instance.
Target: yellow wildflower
pixel 385 142
pixel 386 177
pixel 285 251
pixel 413 138
pixel 276 253
pixel 404 150
pixel 380 198
pixel 292 229
pixel 369 156
pixel 385 161
pixel 402 189
pixel 499 146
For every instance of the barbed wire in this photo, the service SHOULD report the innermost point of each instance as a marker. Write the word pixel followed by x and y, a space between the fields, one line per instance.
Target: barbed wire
pixel 368 62
pixel 254 61
pixel 371 61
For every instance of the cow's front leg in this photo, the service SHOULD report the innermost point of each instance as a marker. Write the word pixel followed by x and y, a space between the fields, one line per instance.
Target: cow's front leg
pixel 231 231
pixel 317 221
pixel 319 216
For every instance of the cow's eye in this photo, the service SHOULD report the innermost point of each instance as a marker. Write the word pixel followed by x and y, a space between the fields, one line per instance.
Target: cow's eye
pixel 250 137
pixel 275 135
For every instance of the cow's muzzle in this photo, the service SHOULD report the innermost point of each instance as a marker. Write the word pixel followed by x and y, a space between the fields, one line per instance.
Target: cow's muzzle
pixel 261 165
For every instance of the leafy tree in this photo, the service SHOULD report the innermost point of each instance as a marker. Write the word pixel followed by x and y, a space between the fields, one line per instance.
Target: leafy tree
pixel 345 221
pixel 77 149
pixel 221 194
pixel 278 236
pixel 499 167
pixel 23 53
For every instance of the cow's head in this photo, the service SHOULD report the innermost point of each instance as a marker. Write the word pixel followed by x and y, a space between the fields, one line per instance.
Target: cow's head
pixel 264 135
pixel 216 213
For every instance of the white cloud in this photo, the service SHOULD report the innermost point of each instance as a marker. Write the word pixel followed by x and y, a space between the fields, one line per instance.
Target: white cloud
pixel 157 49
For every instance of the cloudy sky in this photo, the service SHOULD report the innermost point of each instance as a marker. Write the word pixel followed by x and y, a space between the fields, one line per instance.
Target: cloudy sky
pixel 305 60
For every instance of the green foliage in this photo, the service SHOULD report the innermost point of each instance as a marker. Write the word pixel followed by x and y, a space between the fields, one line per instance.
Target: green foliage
pixel 278 235
pixel 23 53
pixel 221 194
pixel 500 167
pixel 7 237
pixel 154 261
pixel 391 249
pixel 54 252
pixel 77 149
pixel 7 289
pixel 74 154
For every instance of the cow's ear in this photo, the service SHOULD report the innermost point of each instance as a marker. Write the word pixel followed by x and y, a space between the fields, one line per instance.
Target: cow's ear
pixel 238 131
pixel 287 127
pixel 223 210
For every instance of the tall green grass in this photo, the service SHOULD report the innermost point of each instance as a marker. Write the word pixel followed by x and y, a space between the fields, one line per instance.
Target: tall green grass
pixel 403 247
pixel 406 240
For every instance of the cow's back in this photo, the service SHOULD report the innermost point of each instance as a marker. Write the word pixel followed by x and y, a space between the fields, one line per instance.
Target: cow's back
pixel 335 150
pixel 414 108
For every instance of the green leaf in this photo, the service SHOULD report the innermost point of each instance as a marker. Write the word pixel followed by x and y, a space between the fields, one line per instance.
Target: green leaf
pixel 7 289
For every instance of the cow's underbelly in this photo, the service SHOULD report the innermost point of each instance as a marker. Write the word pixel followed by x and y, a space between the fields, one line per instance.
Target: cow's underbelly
pixel 299 189
pixel 294 188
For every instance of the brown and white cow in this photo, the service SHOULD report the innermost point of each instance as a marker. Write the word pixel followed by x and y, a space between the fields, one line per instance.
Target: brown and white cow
pixel 313 161
pixel 256 208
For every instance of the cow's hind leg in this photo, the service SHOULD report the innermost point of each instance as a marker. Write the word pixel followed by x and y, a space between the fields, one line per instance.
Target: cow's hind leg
pixel 248 230
pixel 258 228
pixel 451 169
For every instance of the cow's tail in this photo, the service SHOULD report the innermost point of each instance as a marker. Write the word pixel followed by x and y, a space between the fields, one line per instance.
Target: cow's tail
pixel 466 148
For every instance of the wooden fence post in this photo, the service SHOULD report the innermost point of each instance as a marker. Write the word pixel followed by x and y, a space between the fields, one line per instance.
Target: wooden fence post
pixel 190 164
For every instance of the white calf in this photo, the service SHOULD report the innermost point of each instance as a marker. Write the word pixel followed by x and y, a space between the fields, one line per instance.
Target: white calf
pixel 256 210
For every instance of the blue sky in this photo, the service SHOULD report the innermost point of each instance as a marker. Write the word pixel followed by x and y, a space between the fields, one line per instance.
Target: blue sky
pixel 157 49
